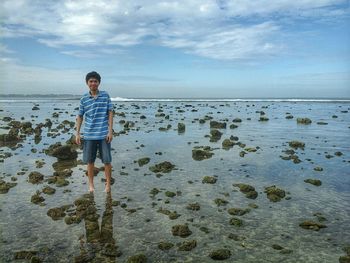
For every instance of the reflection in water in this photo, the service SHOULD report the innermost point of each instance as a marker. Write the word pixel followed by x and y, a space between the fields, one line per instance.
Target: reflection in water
pixel 100 245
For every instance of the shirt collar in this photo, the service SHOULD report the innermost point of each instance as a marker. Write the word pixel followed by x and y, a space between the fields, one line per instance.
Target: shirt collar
pixel 98 94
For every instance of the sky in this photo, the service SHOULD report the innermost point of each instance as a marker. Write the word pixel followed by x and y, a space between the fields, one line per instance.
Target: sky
pixel 177 49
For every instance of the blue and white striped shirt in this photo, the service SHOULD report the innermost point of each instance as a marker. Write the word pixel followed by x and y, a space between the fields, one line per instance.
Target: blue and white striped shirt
pixel 96 115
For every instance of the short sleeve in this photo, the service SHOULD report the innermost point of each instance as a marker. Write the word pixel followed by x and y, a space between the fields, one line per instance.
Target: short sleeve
pixel 110 105
pixel 81 108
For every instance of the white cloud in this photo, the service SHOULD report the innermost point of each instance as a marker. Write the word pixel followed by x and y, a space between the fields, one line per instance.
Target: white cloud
pixel 230 30
pixel 17 78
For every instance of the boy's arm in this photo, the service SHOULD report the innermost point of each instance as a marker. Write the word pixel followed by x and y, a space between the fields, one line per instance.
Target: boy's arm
pixel 78 125
pixel 110 126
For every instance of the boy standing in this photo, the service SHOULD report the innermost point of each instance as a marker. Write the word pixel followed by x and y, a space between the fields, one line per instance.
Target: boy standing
pixel 97 107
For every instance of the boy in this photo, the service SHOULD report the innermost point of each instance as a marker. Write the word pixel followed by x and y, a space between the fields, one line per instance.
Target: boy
pixel 97 107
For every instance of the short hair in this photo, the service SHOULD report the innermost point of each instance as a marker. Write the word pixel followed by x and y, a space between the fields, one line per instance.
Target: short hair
pixel 93 75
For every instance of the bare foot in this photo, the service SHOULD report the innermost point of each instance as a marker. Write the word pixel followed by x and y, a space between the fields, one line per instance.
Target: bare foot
pixel 91 189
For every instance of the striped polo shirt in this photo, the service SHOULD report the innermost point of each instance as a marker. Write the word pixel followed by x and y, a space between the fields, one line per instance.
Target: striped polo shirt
pixel 96 115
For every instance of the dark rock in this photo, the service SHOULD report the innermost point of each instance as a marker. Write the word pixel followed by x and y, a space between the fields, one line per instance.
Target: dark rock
pixel 181 230
pixel 220 254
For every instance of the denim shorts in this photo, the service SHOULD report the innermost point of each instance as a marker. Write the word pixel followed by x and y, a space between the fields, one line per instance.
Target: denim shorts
pixel 90 148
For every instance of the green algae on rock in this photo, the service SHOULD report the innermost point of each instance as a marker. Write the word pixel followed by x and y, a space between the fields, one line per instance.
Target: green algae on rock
pixel 139 258
pixel 170 194
pixel 201 154
pixel 220 202
pixel 217 125
pixel 220 254
pixel 181 230
pixel 311 225
pixel 303 121
pixel 143 161
pixel 37 198
pixel 236 221
pixel 296 144
pixel 6 186
pixel 274 194
pixel 248 190
pixel 163 167
pixel 165 245
pixel 215 135
pixel 238 211
pixel 181 127
pixel 313 181
pixel 35 177
pixel 227 144
pixel 193 206
pixel 209 180
pixel 187 245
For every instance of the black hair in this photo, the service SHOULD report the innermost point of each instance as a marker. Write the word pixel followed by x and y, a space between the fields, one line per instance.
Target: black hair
pixel 93 75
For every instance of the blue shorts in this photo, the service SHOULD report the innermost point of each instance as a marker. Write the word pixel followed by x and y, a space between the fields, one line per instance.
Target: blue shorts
pixel 90 148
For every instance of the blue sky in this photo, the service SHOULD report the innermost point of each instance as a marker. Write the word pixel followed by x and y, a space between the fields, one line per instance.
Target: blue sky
pixel 203 49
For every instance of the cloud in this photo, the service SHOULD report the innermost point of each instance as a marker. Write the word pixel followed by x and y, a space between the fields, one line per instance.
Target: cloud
pixel 17 78
pixel 224 30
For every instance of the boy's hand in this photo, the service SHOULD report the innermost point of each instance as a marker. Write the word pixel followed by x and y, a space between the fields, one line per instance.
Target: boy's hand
pixel 77 139
pixel 109 137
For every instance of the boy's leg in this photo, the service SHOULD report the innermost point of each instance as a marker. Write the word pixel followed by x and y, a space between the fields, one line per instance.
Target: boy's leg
pixel 108 175
pixel 90 167
pixel 89 156
pixel 105 154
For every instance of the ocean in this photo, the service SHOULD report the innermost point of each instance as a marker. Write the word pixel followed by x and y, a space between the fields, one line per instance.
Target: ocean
pixel 289 220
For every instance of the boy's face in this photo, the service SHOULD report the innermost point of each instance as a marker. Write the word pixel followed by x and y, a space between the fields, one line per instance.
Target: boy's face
pixel 93 84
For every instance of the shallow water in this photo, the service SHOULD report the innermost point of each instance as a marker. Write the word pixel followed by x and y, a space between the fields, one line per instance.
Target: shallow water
pixel 26 226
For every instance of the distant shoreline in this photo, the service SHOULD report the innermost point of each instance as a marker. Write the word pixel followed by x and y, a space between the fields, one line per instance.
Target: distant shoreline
pixel 76 97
